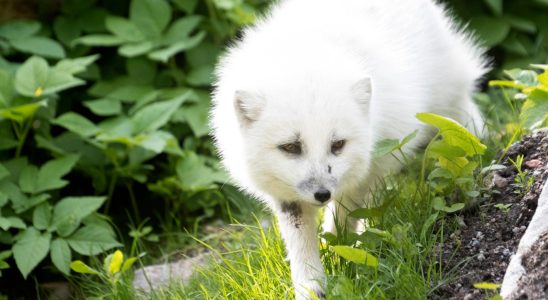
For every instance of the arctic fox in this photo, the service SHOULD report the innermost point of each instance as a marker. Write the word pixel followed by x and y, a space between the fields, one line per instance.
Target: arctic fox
pixel 303 97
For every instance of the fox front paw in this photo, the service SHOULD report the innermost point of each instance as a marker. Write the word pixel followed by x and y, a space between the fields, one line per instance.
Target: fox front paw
pixel 311 291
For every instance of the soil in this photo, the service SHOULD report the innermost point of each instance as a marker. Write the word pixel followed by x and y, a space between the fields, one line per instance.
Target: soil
pixel 480 250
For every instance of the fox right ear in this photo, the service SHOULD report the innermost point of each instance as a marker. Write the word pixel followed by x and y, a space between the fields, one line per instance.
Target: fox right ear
pixel 248 106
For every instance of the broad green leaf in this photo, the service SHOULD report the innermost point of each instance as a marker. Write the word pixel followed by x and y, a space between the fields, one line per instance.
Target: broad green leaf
pixel 365 213
pixel 193 173
pixel 116 262
pixel 187 6
pixel 18 29
pixel 150 16
pixel 491 30
pixel 99 40
pixel 196 116
pixel 104 107
pixel 76 65
pixel 70 211
pixel 130 93
pixel 164 54
pixel 58 81
pixel 30 249
pixel 384 147
pixel 156 115
pixel 358 256
pixel 77 124
pixel 79 266
pixel 3 172
pixel 50 174
pixel 201 76
pixel 124 29
pixel 495 6
pixel 60 255
pixel 27 179
pixel 22 112
pixel 41 216
pixel 441 148
pixel 523 24
pixel 487 285
pixel 6 88
pixel 535 110
pixel 181 29
pixel 453 133
pixel 11 222
pixel 92 240
pixel 156 141
pixel 31 75
pixel 439 204
pixel 40 46
pixel 135 49
pixel 66 29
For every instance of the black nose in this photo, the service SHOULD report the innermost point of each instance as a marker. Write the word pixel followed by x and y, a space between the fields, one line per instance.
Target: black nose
pixel 322 195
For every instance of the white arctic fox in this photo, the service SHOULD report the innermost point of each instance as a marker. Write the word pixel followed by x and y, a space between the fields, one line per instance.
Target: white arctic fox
pixel 303 97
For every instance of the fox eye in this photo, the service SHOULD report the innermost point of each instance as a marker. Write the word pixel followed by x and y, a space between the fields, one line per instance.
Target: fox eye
pixel 337 146
pixel 291 148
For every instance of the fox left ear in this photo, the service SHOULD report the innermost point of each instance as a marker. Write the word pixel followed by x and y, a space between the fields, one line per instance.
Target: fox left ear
pixel 361 91
pixel 248 106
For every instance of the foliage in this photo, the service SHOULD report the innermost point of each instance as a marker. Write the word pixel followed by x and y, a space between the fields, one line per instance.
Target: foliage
pixel 514 31
pixel 78 119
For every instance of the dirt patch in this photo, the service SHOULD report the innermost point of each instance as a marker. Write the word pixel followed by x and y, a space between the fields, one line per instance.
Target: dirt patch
pixel 480 250
pixel 534 283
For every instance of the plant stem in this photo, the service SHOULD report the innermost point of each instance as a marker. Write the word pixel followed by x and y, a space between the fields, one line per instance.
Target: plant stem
pixel 133 202
pixel 22 137
pixel 111 187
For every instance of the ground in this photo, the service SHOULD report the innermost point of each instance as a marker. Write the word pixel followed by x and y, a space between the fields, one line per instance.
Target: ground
pixel 489 234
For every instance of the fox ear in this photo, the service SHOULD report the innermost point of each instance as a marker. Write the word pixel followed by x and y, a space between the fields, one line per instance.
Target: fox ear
pixel 361 91
pixel 248 106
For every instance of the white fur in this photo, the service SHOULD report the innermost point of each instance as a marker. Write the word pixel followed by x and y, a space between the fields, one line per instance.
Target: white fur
pixel 325 70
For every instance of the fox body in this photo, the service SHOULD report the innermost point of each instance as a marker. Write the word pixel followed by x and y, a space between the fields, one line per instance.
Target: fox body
pixel 304 95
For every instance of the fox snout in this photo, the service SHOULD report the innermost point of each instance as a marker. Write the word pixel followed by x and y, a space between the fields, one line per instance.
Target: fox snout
pixel 320 187
pixel 322 195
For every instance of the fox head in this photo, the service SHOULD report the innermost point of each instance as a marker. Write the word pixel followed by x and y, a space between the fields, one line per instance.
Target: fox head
pixel 309 143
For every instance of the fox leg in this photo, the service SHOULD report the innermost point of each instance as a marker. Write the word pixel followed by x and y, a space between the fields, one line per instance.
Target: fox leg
pixel 298 227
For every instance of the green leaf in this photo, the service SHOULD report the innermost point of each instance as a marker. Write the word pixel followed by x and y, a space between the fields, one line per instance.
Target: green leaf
pixel 3 172
pixel 104 40
pixel 181 29
pixel 18 29
pixel 156 141
pixel 384 147
pixel 495 6
pixel 40 46
pixel 79 266
pixel 491 30
pixel 358 256
pixel 124 29
pixel 27 179
pixel 30 249
pixel 77 124
pixel 201 76
pixel 150 16
pixel 164 54
pixel 6 88
pixel 61 255
pixel 41 216
pixel 92 240
pixel 135 49
pixel 196 116
pixel 104 107
pixel 76 65
pixel 31 75
pixel 49 176
pixel 439 204
pixel 70 211
pixel 535 110
pixel 66 29
pixel 12 222
pixel 22 112
pixel 128 263
pixel 156 115
pixel 187 6
pixel 35 78
pixel 193 173
pixel 441 148
pixel 453 133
